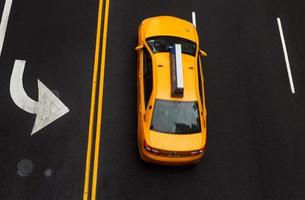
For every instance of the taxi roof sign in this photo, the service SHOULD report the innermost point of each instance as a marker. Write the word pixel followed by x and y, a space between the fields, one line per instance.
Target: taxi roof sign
pixel 177 85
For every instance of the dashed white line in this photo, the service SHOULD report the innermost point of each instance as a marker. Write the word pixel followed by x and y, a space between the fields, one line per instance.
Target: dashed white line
pixel 286 55
pixel 4 20
pixel 194 18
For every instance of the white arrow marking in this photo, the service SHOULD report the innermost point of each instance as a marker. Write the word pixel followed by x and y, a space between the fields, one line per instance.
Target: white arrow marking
pixel 47 109
pixel 21 99
pixel 4 20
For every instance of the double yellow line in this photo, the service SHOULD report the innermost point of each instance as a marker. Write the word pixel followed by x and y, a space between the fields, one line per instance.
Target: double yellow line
pixel 91 171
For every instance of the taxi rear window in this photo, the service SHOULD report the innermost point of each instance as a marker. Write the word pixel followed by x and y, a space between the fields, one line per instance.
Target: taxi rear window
pixel 177 117
pixel 165 43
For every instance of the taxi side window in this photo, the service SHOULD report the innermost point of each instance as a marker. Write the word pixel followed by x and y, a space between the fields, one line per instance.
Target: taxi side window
pixel 148 75
pixel 200 79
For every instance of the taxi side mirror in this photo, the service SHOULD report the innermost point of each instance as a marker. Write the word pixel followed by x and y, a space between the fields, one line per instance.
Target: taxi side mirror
pixel 139 47
pixel 203 53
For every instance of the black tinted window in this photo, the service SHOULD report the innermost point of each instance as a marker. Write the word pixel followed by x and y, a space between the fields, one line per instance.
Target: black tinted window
pixel 165 43
pixel 176 117
pixel 148 76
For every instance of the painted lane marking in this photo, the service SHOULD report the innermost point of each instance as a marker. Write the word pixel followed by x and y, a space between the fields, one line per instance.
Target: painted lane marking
pixel 4 21
pixel 194 18
pixel 286 55
pixel 47 109
pixel 92 104
pixel 100 104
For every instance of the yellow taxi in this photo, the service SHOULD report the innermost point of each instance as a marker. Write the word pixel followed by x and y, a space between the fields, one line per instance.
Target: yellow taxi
pixel 170 99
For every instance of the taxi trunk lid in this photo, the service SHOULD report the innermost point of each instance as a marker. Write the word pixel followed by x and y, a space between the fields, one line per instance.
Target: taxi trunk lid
pixel 176 142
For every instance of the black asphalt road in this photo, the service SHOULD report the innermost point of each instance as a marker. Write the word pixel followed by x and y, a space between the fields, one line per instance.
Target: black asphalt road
pixel 256 127
pixel 57 39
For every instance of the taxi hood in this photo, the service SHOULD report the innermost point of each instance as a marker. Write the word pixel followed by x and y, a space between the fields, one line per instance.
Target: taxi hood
pixel 169 26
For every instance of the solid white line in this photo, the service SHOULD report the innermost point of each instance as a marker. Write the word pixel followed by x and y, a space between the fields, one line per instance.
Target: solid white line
pixel 194 18
pixel 4 20
pixel 286 55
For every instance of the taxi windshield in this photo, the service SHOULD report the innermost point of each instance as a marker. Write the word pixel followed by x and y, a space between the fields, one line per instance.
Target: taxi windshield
pixel 165 43
pixel 178 117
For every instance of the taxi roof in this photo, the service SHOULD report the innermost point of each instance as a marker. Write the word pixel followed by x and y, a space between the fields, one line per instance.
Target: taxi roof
pixel 163 80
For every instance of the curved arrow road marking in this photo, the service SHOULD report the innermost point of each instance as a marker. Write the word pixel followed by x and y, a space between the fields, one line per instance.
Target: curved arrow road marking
pixel 47 109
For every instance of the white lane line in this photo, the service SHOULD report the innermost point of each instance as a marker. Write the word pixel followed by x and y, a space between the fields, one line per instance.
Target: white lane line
pixel 194 18
pixel 4 20
pixel 285 55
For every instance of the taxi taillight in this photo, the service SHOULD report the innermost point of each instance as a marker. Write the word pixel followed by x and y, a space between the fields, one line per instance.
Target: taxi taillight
pixel 150 149
pixel 197 151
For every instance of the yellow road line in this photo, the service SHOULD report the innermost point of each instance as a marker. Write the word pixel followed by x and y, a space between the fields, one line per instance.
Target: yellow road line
pixel 93 96
pixel 100 105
